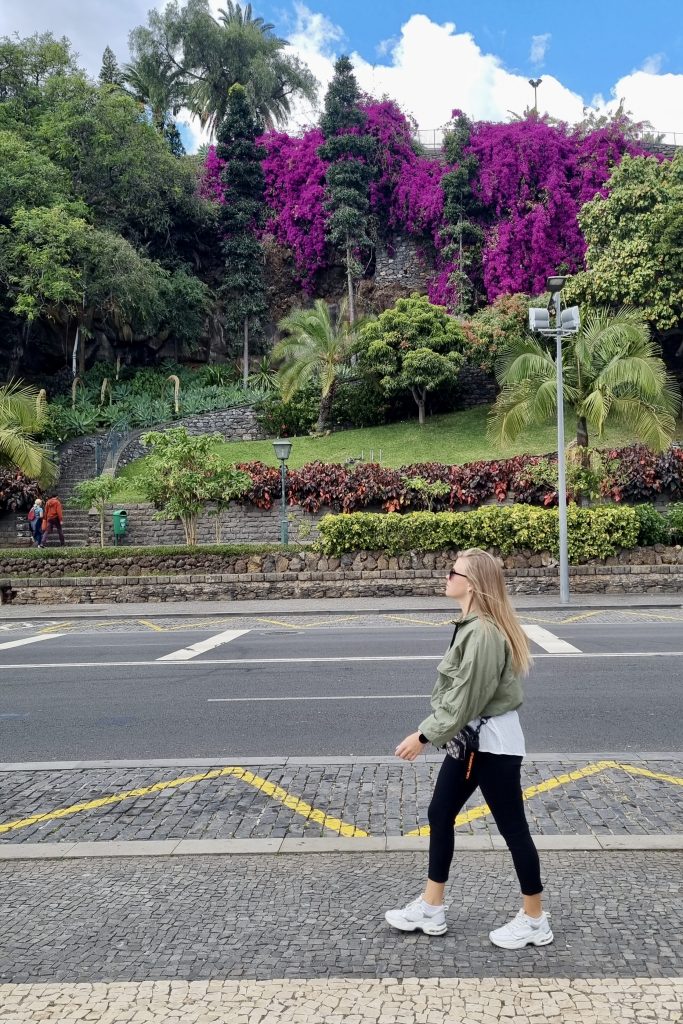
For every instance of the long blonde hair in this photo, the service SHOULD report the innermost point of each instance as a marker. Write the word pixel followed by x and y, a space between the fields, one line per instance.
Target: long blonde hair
pixel 491 600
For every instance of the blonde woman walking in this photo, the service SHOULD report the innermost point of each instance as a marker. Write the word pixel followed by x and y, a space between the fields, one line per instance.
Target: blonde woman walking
pixel 474 715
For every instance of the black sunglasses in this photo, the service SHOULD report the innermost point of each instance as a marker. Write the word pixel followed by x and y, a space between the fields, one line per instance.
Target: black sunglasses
pixel 454 572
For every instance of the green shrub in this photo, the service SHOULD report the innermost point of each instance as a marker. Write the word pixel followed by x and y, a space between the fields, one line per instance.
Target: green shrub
pixel 593 532
pixel 675 522
pixel 652 525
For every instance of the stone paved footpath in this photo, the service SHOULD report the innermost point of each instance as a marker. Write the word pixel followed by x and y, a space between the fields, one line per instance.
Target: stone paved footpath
pixel 289 799
pixel 302 940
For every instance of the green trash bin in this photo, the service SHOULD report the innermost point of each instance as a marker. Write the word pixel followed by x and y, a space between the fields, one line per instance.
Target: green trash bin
pixel 120 524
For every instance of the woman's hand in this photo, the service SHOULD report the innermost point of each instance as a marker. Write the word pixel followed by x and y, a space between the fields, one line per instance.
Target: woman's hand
pixel 410 748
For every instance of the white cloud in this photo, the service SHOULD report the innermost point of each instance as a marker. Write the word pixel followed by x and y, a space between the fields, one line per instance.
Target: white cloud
pixel 432 68
pixel 652 65
pixel 539 48
pixel 654 98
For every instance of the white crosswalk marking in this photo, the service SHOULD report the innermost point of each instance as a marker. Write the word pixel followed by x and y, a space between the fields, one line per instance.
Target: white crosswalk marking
pixel 186 653
pixel 28 640
pixel 548 641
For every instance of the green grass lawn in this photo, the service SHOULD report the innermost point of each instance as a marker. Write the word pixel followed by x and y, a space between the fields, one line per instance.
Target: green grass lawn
pixel 453 438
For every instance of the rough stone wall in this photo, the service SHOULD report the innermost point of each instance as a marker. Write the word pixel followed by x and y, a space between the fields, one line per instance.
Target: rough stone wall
pixel 241 524
pixel 309 574
pixel 404 262
pixel 233 424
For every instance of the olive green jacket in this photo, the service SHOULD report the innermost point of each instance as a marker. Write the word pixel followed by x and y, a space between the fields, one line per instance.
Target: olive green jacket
pixel 474 678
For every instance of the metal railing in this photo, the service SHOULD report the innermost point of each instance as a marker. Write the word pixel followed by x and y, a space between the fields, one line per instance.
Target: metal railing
pixel 109 447
pixel 432 138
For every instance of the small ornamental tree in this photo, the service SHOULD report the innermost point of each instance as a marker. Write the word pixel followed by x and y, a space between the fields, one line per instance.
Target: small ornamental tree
pixel 414 346
pixel 348 150
pixel 241 215
pixel 179 475
pixel 227 484
pixel 95 494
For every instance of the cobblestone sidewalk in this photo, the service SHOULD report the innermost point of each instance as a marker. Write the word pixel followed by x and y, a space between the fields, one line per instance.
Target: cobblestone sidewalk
pixel 310 800
pixel 338 1001
pixel 617 915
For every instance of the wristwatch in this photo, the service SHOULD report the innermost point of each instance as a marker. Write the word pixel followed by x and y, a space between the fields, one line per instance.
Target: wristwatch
pixel 422 738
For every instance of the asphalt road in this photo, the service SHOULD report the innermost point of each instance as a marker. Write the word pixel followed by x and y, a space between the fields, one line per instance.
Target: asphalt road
pixel 340 688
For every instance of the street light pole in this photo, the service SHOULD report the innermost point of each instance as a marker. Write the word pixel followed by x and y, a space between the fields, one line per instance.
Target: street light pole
pixel 534 83
pixel 561 469
pixel 566 323
pixel 282 450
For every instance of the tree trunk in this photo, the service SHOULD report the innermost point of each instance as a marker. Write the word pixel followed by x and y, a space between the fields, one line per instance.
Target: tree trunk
pixel 18 351
pixel 420 397
pixel 581 432
pixel 245 355
pixel 102 515
pixel 349 282
pixel 325 409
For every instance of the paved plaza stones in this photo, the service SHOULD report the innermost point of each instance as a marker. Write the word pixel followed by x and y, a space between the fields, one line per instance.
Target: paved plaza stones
pixel 339 1001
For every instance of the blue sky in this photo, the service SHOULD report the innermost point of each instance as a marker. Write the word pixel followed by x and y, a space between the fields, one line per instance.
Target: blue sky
pixel 592 44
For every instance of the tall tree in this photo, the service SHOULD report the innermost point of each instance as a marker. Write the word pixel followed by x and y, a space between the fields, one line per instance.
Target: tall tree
pixel 213 54
pixel 613 374
pixel 462 237
pixel 348 151
pixel 243 212
pixel 110 73
pixel 160 87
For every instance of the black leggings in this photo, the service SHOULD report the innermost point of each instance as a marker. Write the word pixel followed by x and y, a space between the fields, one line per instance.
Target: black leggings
pixel 498 777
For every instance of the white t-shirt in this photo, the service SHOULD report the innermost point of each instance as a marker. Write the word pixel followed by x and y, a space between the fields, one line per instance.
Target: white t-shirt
pixel 502 734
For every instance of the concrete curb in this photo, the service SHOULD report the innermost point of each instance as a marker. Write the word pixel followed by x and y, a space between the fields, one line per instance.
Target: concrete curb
pixel 325 844
pixel 319 762
pixel 325 607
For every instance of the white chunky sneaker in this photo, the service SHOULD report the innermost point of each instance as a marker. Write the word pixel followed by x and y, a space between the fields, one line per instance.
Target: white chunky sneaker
pixel 415 916
pixel 523 931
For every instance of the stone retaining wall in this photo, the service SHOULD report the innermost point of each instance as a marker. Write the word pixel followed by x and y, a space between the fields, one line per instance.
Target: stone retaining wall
pixel 240 524
pixel 307 574
pixel 238 424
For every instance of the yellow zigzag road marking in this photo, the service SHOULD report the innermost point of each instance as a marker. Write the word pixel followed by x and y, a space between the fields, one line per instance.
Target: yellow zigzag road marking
pixel 268 788
pixel 558 780
pixel 152 625
pixel 422 622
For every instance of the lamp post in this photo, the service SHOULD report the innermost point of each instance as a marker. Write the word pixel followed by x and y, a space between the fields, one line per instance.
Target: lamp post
pixel 566 323
pixel 282 450
pixel 534 83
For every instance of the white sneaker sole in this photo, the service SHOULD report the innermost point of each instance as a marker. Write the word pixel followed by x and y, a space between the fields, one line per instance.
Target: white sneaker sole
pixel 531 940
pixel 428 929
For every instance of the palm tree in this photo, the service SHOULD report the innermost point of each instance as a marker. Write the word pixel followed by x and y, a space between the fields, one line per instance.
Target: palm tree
pixel 317 347
pixel 22 416
pixel 613 374
pixel 159 86
pixel 244 50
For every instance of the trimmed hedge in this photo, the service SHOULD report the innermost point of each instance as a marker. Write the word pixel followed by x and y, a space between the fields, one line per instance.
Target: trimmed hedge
pixel 593 532
pixel 128 551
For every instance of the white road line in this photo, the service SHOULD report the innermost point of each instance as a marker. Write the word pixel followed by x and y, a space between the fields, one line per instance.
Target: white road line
pixel 187 653
pixel 548 641
pixel 28 640
pixel 316 661
pixel 364 696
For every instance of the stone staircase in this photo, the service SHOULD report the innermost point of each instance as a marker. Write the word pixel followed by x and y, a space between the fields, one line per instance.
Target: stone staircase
pixel 15 531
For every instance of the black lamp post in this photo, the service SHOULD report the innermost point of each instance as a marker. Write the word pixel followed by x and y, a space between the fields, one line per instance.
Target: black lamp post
pixel 282 450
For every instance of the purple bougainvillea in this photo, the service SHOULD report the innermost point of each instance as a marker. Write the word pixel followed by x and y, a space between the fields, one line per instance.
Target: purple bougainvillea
pixel 532 178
